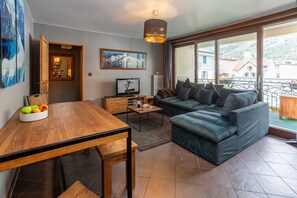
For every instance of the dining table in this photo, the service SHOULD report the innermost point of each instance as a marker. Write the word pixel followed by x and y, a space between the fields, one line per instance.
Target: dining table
pixel 69 127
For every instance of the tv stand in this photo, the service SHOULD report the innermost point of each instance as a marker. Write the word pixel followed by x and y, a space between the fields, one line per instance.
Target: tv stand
pixel 119 104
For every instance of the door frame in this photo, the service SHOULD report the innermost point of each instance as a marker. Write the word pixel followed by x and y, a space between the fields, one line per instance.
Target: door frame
pixel 81 67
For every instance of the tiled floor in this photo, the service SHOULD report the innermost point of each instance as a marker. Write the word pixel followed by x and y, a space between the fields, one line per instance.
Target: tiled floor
pixel 266 169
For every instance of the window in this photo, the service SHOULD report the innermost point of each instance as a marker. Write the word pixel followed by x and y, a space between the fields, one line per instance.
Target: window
pixel 206 62
pixel 204 59
pixel 184 63
pixel 238 56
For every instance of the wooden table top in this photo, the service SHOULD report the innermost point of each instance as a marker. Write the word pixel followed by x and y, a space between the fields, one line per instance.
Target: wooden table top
pixel 140 110
pixel 66 122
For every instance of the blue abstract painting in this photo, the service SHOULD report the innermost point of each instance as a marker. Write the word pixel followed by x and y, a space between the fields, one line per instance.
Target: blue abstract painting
pixel 20 41
pixel 12 42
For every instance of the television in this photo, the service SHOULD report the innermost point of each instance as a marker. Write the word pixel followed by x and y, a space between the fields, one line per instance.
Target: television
pixel 127 86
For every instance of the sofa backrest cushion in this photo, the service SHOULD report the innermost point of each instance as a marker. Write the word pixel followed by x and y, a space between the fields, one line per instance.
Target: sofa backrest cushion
pixel 205 96
pixel 184 93
pixel 198 87
pixel 215 95
pixel 225 93
pixel 188 84
pixel 179 84
pixel 239 100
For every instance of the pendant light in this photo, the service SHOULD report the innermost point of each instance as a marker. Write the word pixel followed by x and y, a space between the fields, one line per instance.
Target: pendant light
pixel 155 30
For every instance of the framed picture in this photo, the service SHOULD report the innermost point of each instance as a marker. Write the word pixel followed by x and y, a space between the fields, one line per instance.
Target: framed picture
pixel 122 59
pixel 12 43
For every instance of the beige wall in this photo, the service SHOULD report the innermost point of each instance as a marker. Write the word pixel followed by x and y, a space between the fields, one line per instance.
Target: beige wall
pixel 102 82
pixel 11 98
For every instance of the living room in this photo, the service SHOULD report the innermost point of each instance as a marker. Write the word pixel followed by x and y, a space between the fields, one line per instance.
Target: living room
pixel 228 44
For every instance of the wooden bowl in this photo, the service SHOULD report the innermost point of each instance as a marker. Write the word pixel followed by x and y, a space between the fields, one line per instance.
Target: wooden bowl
pixel 33 116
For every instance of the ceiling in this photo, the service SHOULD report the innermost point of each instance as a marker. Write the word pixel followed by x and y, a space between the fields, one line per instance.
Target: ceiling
pixel 126 17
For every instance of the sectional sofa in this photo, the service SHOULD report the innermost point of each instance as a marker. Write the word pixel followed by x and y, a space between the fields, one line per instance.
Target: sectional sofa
pixel 218 127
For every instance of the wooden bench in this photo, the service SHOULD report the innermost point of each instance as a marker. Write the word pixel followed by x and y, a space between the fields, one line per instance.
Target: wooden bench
pixel 114 153
pixel 77 190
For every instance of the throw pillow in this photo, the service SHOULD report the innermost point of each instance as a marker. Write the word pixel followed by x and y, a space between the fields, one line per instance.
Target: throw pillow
pixel 188 84
pixel 179 84
pixel 169 92
pixel 184 93
pixel 225 93
pixel 197 91
pixel 162 93
pixel 216 95
pixel 238 100
pixel 205 96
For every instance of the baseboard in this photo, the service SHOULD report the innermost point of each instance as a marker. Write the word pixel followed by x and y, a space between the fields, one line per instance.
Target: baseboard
pixel 281 132
pixel 13 182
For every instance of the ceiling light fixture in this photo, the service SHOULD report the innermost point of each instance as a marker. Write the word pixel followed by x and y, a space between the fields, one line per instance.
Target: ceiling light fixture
pixel 155 30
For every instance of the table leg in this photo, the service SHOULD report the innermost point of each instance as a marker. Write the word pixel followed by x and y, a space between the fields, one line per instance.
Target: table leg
pixel 62 173
pixel 129 165
pixel 139 122
pixel 162 119
pixel 127 116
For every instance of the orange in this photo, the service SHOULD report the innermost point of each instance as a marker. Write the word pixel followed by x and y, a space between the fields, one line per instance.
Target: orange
pixel 36 110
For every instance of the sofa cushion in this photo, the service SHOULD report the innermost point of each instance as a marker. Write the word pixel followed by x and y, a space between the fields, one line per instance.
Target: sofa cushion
pixel 188 84
pixel 225 93
pixel 179 84
pixel 208 125
pixel 198 87
pixel 184 93
pixel 205 96
pixel 239 100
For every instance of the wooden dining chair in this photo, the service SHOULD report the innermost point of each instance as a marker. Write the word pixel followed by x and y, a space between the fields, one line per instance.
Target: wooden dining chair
pixel 38 99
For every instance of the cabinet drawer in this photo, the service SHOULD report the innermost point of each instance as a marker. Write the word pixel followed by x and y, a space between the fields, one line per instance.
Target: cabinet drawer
pixel 117 102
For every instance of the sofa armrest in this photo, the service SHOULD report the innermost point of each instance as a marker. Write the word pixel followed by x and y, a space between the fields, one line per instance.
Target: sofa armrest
pixel 253 117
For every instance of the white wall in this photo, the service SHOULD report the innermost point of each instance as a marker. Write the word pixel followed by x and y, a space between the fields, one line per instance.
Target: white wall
pixel 11 98
pixel 102 82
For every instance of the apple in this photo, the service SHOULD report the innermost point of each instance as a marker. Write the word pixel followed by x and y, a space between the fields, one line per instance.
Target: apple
pixel 26 109
pixel 43 107
pixel 34 106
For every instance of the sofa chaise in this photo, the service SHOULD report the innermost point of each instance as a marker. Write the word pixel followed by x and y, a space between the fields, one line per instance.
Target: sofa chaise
pixel 219 129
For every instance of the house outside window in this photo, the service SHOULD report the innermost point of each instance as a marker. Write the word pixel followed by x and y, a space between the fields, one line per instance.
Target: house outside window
pixel 246 74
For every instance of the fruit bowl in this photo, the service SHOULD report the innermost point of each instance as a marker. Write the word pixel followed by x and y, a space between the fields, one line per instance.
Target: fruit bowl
pixel 33 116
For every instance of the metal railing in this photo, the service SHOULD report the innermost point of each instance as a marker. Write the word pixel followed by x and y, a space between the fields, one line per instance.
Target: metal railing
pixel 272 87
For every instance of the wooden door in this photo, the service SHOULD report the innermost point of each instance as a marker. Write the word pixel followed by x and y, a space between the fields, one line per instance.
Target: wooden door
pixel 44 65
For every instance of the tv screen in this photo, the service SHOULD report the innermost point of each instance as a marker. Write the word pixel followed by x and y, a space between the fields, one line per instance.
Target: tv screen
pixel 127 86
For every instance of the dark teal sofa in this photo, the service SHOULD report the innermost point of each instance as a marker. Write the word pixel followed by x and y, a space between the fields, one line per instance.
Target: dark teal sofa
pixel 206 131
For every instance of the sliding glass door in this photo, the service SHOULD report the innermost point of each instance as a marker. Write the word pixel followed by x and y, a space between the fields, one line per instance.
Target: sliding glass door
pixel 206 62
pixel 238 62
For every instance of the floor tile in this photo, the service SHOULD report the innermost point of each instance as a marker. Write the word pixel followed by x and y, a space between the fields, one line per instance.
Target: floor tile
pixel 143 169
pixel 235 164
pixel 215 192
pixel 282 148
pixel 284 170
pixel 140 188
pixel 275 186
pixel 160 189
pixel 244 181
pixel 250 155
pixel 259 167
pixel 189 175
pixel 215 177
pixel 203 164
pixel 292 183
pixel 187 160
pixel 290 158
pixel 272 157
pixel 163 170
pixel 245 194
pixel 187 190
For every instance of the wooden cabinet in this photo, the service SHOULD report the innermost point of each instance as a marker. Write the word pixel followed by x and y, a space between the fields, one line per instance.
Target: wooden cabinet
pixel 116 105
pixel 288 106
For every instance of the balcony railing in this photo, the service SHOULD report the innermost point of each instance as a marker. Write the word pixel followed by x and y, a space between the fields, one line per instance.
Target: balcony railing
pixel 272 87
